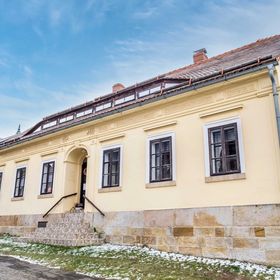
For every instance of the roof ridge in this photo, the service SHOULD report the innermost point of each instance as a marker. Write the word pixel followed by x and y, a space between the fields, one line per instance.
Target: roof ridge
pixel 223 54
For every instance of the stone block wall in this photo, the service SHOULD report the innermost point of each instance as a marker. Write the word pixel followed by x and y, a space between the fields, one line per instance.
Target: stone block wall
pixel 246 233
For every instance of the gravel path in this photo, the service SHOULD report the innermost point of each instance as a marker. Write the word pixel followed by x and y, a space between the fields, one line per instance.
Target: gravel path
pixel 14 269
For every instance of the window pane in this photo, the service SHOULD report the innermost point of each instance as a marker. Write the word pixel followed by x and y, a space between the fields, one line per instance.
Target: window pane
pixel 115 156
pixel 165 146
pixel 106 168
pixel 44 188
pixel 45 168
pixel 166 172
pixel 216 137
pixel 49 188
pixel 216 151
pixel 51 167
pixel 105 180
pixel 230 148
pixel 115 167
pixel 115 180
pixel 50 178
pixel 229 134
pixel 217 166
pixel 155 148
pixel 45 178
pixel 106 156
pixel 231 164
pixel 166 158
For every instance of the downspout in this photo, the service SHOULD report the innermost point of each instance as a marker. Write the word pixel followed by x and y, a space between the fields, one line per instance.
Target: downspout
pixel 271 69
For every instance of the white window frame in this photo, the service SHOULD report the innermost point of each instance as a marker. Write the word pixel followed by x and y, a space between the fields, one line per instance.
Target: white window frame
pixel 54 175
pixel 155 137
pixel 103 149
pixel 25 181
pixel 240 143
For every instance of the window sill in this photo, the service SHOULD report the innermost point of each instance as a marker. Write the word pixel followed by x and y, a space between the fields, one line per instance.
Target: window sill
pixel 161 184
pixel 49 195
pixel 17 198
pixel 110 189
pixel 228 177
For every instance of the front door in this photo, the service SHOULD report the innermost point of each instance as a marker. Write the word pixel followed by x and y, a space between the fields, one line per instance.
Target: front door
pixel 83 182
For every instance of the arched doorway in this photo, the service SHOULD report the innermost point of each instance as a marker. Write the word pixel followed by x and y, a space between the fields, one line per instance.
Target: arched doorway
pixel 76 177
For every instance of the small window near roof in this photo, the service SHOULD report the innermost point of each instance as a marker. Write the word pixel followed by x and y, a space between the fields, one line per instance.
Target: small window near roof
pixel 161 159
pixel 111 168
pixel 223 150
pixel 103 106
pixel 50 124
pixel 1 177
pixel 47 177
pixel 84 113
pixel 20 182
pixel 66 119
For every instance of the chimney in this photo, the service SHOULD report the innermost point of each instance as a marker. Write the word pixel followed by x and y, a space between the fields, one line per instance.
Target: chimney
pixel 117 87
pixel 200 55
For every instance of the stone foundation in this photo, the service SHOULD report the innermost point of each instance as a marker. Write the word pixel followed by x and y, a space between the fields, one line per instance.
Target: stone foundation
pixel 245 233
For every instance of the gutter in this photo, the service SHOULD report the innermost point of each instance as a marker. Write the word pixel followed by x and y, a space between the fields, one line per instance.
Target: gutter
pixel 271 70
pixel 170 93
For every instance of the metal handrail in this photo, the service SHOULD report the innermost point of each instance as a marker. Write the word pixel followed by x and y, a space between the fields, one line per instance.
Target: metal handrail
pixel 90 202
pixel 72 194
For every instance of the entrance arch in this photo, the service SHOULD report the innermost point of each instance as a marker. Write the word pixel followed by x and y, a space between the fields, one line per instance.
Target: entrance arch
pixel 76 176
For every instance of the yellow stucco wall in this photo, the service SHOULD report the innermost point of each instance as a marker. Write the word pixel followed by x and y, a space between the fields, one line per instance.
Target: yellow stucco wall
pixel 249 98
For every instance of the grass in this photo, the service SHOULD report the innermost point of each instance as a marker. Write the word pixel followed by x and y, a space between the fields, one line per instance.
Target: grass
pixel 128 262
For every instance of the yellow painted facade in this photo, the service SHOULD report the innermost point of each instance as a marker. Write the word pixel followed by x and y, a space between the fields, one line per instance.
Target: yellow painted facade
pixel 247 98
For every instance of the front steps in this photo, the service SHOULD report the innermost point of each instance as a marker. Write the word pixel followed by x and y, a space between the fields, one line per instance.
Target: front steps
pixel 69 229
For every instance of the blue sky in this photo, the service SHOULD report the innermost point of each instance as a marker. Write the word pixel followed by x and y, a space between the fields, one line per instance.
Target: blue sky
pixel 58 53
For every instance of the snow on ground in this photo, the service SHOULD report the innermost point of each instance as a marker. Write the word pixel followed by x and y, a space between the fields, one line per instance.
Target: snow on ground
pixel 146 254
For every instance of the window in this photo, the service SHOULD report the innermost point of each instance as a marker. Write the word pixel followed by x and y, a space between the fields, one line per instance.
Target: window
pixel 47 177
pixel 111 168
pixel 66 119
pixel 223 149
pixel 20 182
pixel 161 159
pixel 1 176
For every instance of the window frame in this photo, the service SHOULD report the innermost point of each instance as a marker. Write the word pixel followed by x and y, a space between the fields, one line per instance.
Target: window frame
pixel 151 139
pixel 240 149
pixel 106 149
pixel 16 180
pixel 224 157
pixel 42 174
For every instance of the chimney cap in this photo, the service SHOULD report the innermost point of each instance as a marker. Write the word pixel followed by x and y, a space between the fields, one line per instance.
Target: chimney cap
pixel 202 50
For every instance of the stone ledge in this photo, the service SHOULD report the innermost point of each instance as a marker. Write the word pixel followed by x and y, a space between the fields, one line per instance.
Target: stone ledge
pixel 110 189
pixel 228 177
pixel 17 198
pixel 40 196
pixel 161 184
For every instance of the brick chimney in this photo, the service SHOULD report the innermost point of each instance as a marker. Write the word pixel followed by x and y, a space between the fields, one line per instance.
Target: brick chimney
pixel 200 55
pixel 117 87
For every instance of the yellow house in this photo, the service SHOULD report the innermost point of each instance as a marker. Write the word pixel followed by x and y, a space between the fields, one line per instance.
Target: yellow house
pixel 187 162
